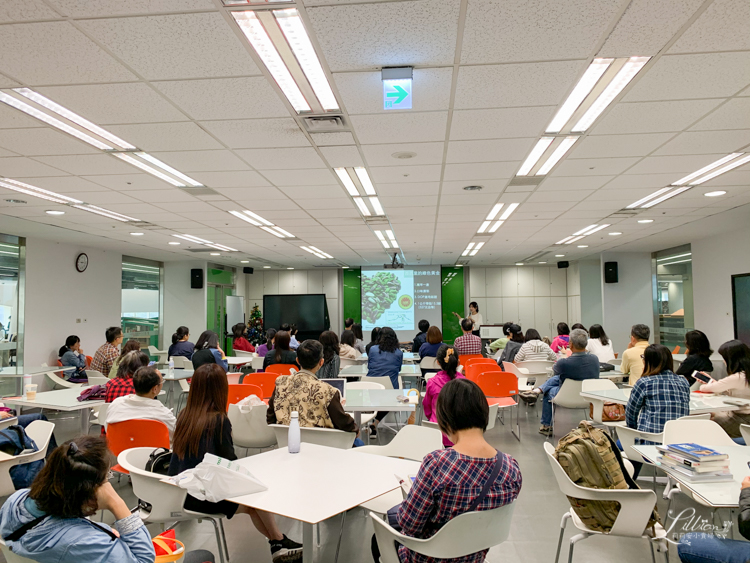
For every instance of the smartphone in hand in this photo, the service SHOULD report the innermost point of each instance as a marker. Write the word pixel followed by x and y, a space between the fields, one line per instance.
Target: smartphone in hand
pixel 700 376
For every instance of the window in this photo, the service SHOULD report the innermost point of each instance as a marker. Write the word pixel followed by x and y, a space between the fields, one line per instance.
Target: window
pixel 11 309
pixel 142 301
pixel 674 295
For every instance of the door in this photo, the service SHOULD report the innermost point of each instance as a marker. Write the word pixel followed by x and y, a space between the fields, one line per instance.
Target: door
pixel 217 313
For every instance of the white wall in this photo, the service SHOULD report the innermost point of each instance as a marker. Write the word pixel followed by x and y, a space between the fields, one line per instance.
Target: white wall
pixel 715 260
pixel 183 306
pixel 591 292
pixel 630 301
pixel 57 294
pixel 298 282
pixel 573 275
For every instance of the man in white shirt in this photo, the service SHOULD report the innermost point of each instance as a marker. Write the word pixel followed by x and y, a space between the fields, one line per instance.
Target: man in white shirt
pixel 147 382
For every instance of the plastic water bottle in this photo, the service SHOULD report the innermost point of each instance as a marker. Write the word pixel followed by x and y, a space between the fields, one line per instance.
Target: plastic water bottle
pixel 170 371
pixel 294 435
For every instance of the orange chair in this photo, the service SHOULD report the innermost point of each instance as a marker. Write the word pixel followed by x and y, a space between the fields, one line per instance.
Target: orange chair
pixel 89 359
pixel 282 369
pixel 238 391
pixel 676 350
pixel 472 361
pixel 137 433
pixel 463 358
pixel 473 370
pixel 59 363
pixel 265 380
pixel 500 388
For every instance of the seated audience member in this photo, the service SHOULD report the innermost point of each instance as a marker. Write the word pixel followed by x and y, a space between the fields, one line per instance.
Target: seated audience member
pixel 348 349
pixel 698 356
pixel 632 358
pixel 420 338
pixel 331 361
pixel 24 420
pixel 579 325
pixel 181 346
pixel 292 330
pixel 317 403
pixel 600 345
pixel 49 522
pixel 207 351
pixel 348 323
pixel 467 343
pixel 144 404
pixel 107 352
pixel 203 427
pixel 71 355
pixel 131 345
pixel 447 359
pixel 500 343
pixel 385 360
pixel 433 343
pixel 658 396
pixel 562 339
pixel 736 355
pixel 533 349
pixel 579 366
pixel 703 547
pixel 452 481
pixel 515 341
pixel 239 340
pixel 359 343
pixel 123 384
pixel 267 346
pixel 281 353
pixel 374 337
pixel 547 341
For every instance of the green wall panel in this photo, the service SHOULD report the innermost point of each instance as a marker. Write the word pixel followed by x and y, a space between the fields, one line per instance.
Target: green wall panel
pixel 353 294
pixel 453 300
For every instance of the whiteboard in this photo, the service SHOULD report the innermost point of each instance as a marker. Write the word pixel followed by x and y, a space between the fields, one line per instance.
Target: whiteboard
pixel 235 310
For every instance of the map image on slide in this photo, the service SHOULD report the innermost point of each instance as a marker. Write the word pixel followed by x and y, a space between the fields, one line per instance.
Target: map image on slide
pixel 388 299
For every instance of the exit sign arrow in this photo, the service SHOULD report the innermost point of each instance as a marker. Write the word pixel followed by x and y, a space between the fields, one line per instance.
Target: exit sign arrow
pixel 400 94
pixel 397 93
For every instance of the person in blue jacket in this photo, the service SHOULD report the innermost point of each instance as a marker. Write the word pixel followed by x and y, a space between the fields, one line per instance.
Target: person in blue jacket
pixel 385 360
pixel 48 523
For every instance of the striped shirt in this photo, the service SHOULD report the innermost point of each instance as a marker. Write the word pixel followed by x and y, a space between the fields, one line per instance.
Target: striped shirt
pixel 535 350
pixel 657 399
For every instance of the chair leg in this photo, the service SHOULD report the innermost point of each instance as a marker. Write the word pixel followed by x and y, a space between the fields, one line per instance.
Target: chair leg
pixel 218 539
pixel 573 541
pixel 317 531
pixel 224 537
pixel 341 534
pixel 562 532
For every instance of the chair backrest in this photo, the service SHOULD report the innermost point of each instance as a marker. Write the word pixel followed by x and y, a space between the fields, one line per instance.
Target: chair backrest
pixel 41 432
pixel 463 358
pixel 137 433
pixel 597 385
pixel 465 534
pixel 510 367
pixel 238 391
pixel 181 362
pixel 265 380
pixel 184 385
pixel 745 431
pixel 569 395
pixel 628 436
pixel 344 362
pixel 364 385
pixel 703 432
pixel 281 369
pixel 427 424
pixel 96 379
pixel 498 384
pixel 58 382
pixel 385 381
pixel 536 366
pixel 250 430
pixel 429 376
pixel 472 369
pixel 244 354
pixel 429 362
pixel 11 557
pixel 676 350
pixel 89 359
pixel 101 414
pixel 59 363
pixel 412 442
pixel 492 417
pixel 322 436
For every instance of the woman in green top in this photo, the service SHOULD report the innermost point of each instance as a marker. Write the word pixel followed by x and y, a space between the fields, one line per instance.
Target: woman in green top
pixel 500 343
pixel 130 346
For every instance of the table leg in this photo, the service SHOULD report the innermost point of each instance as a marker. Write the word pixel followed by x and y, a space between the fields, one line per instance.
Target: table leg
pixel 85 417
pixel 308 555
pixel 171 392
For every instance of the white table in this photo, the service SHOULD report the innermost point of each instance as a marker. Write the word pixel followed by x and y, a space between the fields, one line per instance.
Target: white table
pixel 240 360
pixel 65 400
pixel 408 357
pixel 257 363
pixel 18 373
pixel 172 383
pixel 716 495
pixel 369 400
pixel 361 370
pixel 699 404
pixel 319 483
pixel 612 375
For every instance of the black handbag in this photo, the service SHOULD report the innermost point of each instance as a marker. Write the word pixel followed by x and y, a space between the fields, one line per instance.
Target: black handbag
pixel 605 367
pixel 158 461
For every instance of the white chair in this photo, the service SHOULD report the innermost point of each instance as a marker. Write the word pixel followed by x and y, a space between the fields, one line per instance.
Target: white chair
pixel 366 417
pixel 184 390
pixel 250 430
pixel 322 436
pixel 40 431
pixel 745 431
pixel 166 500
pixel 635 510
pixel 429 362
pixel 243 354
pixel 160 354
pixel 181 362
pixel 344 362
pixel 100 416
pixel 59 383
pixel 600 385
pixel 11 557
pixel 523 378
pixel 96 379
pixel 465 534
pixel 536 366
pixel 569 397
pixel 385 381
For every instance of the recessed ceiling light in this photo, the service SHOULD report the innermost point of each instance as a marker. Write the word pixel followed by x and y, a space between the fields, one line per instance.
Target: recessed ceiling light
pixel 559 255
pixel 290 268
pixel 215 253
pixel 55 212
pixel 583 246
pixel 542 262
pixel 715 194
pixel 614 234
pixel 266 267
pixel 519 263
pixel 646 221
pixel 244 261
pixel 137 234
pixel 472 188
pixel 404 155
pixel 174 243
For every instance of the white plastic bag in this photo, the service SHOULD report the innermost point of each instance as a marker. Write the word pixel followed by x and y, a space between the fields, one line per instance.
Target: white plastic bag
pixel 246 405
pixel 216 479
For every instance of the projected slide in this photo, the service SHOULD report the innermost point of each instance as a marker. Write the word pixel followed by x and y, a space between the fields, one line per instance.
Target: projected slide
pixel 400 298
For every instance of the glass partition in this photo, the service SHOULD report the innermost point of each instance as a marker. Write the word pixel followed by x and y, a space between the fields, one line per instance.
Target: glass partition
pixel 11 291
pixel 141 301
pixel 674 295
pixel 220 286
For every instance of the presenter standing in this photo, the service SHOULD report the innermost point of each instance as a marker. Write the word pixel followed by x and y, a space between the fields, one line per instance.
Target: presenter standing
pixel 474 315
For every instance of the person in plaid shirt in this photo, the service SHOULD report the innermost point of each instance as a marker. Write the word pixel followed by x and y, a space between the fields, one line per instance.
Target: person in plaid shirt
pixel 122 385
pixel 450 480
pixel 658 396
pixel 468 343
pixel 107 352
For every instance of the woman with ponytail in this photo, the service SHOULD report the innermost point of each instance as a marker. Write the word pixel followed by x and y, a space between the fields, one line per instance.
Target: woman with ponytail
pixel 180 345
pixel 448 361
pixel 72 356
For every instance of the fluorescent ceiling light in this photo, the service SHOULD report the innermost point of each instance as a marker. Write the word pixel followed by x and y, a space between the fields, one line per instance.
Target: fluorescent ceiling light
pixel 74 117
pixel 677 262
pixel 48 119
pixel 708 168
pixel 558 153
pixel 519 263
pixel 584 231
pixel 105 212
pixel 496 226
pixel 363 209
pixel 153 160
pixel 364 179
pixel 245 218
pixel 583 246
pixel 599 228
pixel 614 234
pixel 283 232
pixel 495 210
pixel 266 267
pixel 174 243
pixel 55 212
pixel 673 257
pixel 325 254
pixel 479 245
pixel 484 226
pixel 715 194
pixel 191 238
pixel 379 235
pixel 258 218
pixel 563 241
pixel 542 262
pixel 392 238
pixel 613 89
pixel 294 31
pixel 647 198
pixel 375 202
pixel 222 247
pixel 28 189
pixel 574 239
pixel 244 261
pixel 137 234
pixel 146 168
pixel 290 268
pixel 253 29
pixel 215 253
pixel 510 209
pixel 559 255
pixel 347 181
pixel 473 252
pixel 732 165
pixel 270 230
pixel 582 89
pixel 665 197
pixel 646 221
pixel 535 154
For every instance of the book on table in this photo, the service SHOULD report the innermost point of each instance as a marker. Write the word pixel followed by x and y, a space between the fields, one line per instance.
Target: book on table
pixel 673 458
pixel 697 452
pixel 683 472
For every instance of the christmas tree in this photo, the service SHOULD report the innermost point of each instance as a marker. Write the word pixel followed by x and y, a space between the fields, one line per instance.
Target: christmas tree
pixel 255 333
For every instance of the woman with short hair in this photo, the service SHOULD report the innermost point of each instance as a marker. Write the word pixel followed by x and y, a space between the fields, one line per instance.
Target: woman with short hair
pixel 432 345
pixel 698 356
pixel 347 348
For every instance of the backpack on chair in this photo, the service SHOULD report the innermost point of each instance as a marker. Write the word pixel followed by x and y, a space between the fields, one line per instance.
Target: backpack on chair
pixel 592 460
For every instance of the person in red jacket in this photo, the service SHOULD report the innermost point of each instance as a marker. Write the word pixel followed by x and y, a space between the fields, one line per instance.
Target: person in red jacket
pixel 240 342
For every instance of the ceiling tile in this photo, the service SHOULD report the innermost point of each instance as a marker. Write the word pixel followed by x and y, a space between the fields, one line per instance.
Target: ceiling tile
pixel 11 118
pixel 252 195
pixel 425 153
pixel 128 182
pixel 653 117
pixel 726 116
pixel 296 192
pixel 400 127
pixel 534 30
pixel 602 146
pixel 673 164
pixel 706 142
pixel 89 164
pixel 257 133
pixel 488 150
pixel 347 156
pixel 370 36
pixel 332 139
pixel 25 10
pixel 64 184
pixel 202 161
pixel 722 27
pixel 632 181
pixel 281 159
pixel 20 167
pixel 187 45
pixel 316 176
pixel 43 141
pixel 480 170
pixel 397 174
pixel 499 123
pixel 495 186
pixel 161 196
pixel 417 188
pixel 564 183
pixel 593 166
pixel 238 179
pixel 82 8
pixel 183 136
pixel 319 203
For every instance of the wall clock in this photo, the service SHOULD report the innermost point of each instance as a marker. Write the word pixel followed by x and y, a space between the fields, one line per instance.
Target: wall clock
pixel 82 262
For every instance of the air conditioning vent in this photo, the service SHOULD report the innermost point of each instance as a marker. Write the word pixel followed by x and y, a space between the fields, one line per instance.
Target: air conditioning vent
pixel 378 222
pixel 325 124
pixel 526 181
pixel 143 225
pixel 203 190
pixel 624 214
